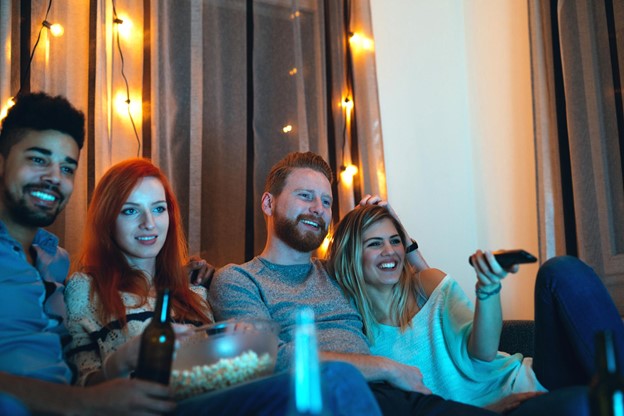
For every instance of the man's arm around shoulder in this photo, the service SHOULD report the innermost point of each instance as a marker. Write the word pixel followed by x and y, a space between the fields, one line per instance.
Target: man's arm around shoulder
pixel 378 368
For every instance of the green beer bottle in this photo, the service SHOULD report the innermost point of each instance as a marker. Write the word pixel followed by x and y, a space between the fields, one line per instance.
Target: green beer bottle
pixel 606 391
pixel 157 344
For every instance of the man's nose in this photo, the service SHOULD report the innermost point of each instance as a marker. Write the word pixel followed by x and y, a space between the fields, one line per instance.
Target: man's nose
pixel 52 174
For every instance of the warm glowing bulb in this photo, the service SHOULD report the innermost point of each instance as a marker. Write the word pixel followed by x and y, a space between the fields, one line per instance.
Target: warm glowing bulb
pixel 293 71
pixel 123 105
pixel 351 170
pixel 347 103
pixel 295 15
pixel 361 42
pixel 324 246
pixel 3 112
pixel 347 173
pixel 57 30
pixel 287 129
pixel 124 26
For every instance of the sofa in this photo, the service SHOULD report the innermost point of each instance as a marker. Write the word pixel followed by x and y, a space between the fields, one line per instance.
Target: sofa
pixel 518 336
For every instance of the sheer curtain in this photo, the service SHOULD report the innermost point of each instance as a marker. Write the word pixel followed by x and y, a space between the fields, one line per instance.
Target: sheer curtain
pixel 578 64
pixel 219 90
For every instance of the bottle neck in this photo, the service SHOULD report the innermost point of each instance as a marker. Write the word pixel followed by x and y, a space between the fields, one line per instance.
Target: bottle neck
pixel 606 360
pixel 161 313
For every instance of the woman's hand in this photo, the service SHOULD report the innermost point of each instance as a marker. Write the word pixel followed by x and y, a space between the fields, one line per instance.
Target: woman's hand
pixel 124 360
pixel 488 316
pixel 489 272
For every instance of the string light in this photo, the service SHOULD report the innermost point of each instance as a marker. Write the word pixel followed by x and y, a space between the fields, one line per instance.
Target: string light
pixel 5 109
pixel 347 104
pixel 360 42
pixel 125 106
pixel 55 29
pixel 117 21
pixel 287 129
pixel 32 53
pixel 292 71
pixel 124 26
pixel 322 250
pixel 347 172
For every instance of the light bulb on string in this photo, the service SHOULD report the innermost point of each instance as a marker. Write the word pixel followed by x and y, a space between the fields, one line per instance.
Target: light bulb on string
pixel 322 250
pixel 5 108
pixel 55 29
pixel 347 172
pixel 360 42
pixel 123 23
pixel 347 104
pixel 124 105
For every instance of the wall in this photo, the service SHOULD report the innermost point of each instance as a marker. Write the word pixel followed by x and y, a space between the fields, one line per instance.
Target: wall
pixel 455 96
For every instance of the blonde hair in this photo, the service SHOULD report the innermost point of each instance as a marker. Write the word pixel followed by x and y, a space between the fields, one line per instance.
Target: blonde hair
pixel 344 262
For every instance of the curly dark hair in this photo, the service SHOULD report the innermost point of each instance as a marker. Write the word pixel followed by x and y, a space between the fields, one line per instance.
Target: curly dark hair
pixel 40 111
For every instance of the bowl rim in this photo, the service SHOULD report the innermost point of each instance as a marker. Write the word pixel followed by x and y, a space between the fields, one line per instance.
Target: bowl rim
pixel 230 326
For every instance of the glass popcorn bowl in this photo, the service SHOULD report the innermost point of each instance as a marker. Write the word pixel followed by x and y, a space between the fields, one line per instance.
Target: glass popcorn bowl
pixel 224 354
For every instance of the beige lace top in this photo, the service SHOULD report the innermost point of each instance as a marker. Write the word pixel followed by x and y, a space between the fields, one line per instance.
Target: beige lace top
pixel 91 340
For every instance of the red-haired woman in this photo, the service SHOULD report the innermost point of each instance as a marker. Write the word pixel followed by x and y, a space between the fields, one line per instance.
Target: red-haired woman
pixel 133 246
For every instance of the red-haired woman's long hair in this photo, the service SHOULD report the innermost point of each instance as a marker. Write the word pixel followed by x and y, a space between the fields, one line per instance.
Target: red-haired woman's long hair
pixel 103 260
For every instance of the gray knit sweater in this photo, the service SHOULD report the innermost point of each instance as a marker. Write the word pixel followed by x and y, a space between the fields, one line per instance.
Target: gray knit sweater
pixel 262 289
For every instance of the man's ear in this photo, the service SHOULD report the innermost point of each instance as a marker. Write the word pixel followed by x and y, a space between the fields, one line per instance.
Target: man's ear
pixel 267 203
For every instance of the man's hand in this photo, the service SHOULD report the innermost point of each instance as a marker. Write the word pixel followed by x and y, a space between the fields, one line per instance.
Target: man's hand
pixel 125 397
pixel 378 368
pixel 120 396
pixel 200 271
pixel 406 377
pixel 377 200
pixel 509 403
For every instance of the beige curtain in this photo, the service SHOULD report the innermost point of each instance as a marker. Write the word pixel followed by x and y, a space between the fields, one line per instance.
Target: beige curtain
pixel 213 126
pixel 591 138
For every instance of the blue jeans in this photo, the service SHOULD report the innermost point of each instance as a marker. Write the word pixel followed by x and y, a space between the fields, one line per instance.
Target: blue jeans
pixel 567 401
pixel 571 305
pixel 345 393
pixel 396 402
pixel 9 405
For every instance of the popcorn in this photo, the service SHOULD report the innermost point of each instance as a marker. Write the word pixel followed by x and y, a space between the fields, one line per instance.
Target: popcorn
pixel 225 372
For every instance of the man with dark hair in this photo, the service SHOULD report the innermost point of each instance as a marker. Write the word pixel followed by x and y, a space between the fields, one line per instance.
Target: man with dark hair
pixel 284 277
pixel 40 144
pixel 39 112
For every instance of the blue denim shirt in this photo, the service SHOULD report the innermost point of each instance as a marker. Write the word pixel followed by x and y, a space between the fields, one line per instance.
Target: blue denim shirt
pixel 32 312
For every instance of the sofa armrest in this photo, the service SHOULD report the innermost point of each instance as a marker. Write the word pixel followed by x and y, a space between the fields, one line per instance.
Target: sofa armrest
pixel 518 336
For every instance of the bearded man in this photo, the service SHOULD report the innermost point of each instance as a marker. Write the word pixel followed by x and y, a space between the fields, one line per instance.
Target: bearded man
pixel 284 278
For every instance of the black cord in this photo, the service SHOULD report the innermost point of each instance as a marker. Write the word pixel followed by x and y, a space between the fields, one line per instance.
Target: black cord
pixel 32 53
pixel 117 21
pixel 349 99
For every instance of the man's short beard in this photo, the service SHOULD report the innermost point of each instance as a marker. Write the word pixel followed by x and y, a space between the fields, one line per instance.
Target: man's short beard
pixel 22 214
pixel 305 242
